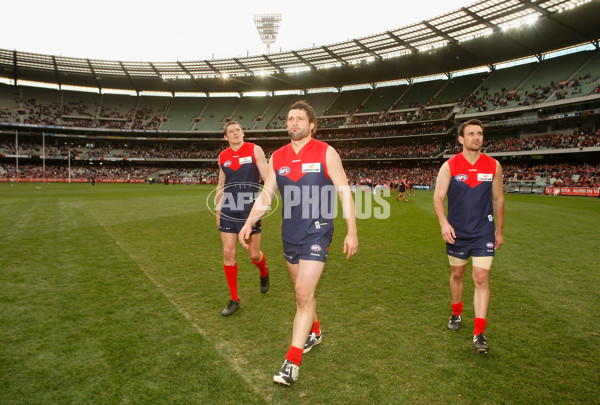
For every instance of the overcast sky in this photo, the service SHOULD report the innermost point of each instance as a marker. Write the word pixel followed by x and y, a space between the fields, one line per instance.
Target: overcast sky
pixel 183 30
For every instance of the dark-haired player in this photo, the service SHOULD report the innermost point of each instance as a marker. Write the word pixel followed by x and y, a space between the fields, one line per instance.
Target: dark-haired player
pixel 473 183
pixel 308 173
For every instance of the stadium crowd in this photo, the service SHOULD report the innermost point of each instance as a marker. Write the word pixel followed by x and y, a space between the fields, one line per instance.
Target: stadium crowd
pixel 188 150
pixel 396 151
pixel 80 114
pixel 557 175
pixel 422 129
pixel 109 172
pixel 538 142
pixel 561 175
pixel 537 94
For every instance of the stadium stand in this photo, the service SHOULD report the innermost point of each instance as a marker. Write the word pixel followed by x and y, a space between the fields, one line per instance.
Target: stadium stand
pixel 183 113
pixel 216 112
pixel 383 99
pixel 541 121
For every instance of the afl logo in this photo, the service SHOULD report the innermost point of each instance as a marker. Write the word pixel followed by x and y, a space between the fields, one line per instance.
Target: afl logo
pixel 227 163
pixel 489 245
pixel 284 171
pixel 315 248
pixel 461 177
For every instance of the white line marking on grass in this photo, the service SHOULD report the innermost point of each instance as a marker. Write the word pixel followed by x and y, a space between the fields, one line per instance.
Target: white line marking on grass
pixel 186 315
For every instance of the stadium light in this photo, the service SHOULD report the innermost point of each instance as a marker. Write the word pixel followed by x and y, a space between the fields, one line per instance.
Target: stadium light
pixel 268 28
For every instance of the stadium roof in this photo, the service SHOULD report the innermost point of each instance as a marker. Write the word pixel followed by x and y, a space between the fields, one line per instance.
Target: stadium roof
pixel 482 34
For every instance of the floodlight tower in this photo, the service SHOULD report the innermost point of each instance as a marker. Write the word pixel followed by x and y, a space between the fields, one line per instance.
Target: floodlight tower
pixel 268 28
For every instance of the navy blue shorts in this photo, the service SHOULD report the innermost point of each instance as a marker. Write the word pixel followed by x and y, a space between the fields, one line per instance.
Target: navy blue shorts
pixel 478 247
pixel 233 222
pixel 316 251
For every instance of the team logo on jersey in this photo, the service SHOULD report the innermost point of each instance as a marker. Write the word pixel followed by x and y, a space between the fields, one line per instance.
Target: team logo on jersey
pixel 311 167
pixel 485 177
pixel 316 248
pixel 247 159
pixel 227 163
pixel 489 245
pixel 284 171
pixel 461 177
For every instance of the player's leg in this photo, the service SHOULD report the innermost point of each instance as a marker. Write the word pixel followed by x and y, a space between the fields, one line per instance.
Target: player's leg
pixel 254 247
pixel 457 275
pixel 314 336
pixel 307 278
pixel 230 267
pixel 259 260
pixel 458 267
pixel 305 274
pixel 481 298
pixel 229 247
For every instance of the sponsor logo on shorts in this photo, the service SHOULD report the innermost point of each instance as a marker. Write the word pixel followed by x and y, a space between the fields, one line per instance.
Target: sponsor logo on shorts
pixel 316 248
pixel 489 245
pixel 461 177
pixel 227 163
pixel 284 171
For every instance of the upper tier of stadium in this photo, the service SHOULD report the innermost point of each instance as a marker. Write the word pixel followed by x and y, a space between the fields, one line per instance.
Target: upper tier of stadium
pixel 527 90
pixel 483 34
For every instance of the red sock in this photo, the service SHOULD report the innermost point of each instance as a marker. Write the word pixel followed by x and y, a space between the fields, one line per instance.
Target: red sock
pixel 231 275
pixel 261 266
pixel 316 328
pixel 457 309
pixel 294 355
pixel 479 325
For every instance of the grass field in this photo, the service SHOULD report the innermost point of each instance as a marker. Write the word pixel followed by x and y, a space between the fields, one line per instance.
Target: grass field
pixel 112 294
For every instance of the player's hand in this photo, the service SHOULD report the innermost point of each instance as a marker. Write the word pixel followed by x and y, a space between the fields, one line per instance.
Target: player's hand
pixel 218 213
pixel 499 240
pixel 448 234
pixel 244 235
pixel 350 245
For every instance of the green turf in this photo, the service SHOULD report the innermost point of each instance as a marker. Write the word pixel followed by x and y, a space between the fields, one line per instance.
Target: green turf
pixel 112 294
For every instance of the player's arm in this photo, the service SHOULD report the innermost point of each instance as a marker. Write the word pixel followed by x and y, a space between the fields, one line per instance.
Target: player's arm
pixel 219 195
pixel 498 204
pixel 260 206
pixel 441 189
pixel 336 173
pixel 261 162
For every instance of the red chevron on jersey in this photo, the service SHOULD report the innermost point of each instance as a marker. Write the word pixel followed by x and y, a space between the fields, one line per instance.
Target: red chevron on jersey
pixel 482 171
pixel 310 159
pixel 235 159
pixel 470 209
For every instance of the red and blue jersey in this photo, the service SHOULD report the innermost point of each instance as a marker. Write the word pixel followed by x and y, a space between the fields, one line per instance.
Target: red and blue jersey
pixel 470 209
pixel 307 191
pixel 241 178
